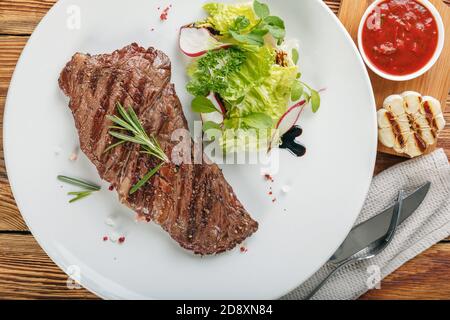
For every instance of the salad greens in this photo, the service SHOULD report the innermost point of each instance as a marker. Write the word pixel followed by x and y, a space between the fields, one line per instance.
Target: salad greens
pixel 244 22
pixel 254 70
pixel 212 71
pixel 255 76
pixel 222 17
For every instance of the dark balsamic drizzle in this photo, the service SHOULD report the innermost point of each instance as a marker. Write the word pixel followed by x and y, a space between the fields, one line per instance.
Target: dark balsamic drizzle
pixel 289 142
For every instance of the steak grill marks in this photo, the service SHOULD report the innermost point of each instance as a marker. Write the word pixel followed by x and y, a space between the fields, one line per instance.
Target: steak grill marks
pixel 192 203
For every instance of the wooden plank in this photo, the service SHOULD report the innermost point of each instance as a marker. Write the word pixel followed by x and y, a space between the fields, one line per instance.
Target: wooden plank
pixel 333 5
pixel 436 82
pixel 425 277
pixel 26 272
pixel 10 217
pixel 22 16
pixel 10 49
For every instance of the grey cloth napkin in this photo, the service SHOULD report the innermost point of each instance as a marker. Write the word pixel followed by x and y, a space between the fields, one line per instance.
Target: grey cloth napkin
pixel 429 224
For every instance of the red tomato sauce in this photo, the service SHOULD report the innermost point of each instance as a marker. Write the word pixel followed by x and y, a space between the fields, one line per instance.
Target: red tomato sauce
pixel 400 36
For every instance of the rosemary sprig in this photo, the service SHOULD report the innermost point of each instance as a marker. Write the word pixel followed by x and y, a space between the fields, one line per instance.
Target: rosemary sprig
pixel 89 188
pixel 78 195
pixel 129 122
pixel 147 177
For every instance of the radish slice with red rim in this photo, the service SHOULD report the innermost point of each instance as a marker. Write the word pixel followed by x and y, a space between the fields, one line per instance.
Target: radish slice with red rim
pixel 288 120
pixel 195 42
pixel 290 117
pixel 217 103
pixel 216 117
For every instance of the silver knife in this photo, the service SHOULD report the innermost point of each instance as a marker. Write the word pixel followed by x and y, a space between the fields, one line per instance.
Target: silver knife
pixel 374 228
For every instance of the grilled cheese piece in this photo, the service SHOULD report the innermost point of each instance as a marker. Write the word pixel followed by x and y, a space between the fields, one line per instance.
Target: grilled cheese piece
pixel 409 123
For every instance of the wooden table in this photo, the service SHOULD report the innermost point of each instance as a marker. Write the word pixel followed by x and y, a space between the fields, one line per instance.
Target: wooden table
pixel 27 273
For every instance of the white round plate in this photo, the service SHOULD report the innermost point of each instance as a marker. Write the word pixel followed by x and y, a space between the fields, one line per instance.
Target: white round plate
pixel 297 234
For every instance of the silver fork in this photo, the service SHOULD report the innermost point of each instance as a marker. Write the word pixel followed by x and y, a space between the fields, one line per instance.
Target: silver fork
pixel 372 249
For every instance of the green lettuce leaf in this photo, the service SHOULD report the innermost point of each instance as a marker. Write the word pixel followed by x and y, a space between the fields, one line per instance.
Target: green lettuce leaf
pixel 270 97
pixel 223 16
pixel 254 71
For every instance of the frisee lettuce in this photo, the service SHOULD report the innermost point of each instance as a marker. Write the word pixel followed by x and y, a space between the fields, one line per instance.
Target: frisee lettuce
pixel 213 69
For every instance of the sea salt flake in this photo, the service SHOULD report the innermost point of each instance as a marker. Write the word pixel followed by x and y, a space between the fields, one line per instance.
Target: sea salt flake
pixel 73 156
pixel 110 222
pixel 114 237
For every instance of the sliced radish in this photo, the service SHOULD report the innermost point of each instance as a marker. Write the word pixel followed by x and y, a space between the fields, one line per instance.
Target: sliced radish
pixel 195 42
pixel 217 103
pixel 290 118
pixel 216 117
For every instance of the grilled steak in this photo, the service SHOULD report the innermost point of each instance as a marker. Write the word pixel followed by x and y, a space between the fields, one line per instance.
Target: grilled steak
pixel 192 202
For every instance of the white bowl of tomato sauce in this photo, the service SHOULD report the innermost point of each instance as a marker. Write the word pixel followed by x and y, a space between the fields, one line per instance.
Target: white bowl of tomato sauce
pixel 401 39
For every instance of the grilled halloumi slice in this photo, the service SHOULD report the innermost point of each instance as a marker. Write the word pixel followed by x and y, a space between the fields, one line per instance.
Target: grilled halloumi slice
pixel 432 111
pixel 389 131
pixel 419 123
pixel 409 123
